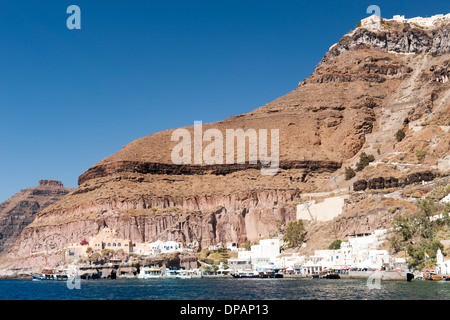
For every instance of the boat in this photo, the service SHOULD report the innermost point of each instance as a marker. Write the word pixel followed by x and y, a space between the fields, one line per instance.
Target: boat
pixel 183 275
pixel 270 274
pixel 188 274
pixel 332 275
pixel 327 274
pixel 432 276
pixel 279 275
pixel 409 276
pixel 52 274
pixel 245 274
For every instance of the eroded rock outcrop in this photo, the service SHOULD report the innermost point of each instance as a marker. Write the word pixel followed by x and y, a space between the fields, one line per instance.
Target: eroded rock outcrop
pixel 19 211
pixel 393 182
pixel 402 39
pixel 104 170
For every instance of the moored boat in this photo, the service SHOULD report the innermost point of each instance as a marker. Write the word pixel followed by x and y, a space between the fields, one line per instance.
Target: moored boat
pixel 188 274
pixel 409 276
pixel 52 274
pixel 432 276
pixel 332 275
pixel 245 274
pixel 270 274
pixel 326 274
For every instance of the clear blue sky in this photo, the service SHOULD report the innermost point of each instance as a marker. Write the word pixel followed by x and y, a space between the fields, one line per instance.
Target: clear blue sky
pixel 70 98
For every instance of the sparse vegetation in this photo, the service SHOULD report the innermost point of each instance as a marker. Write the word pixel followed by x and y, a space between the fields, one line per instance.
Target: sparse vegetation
pixel 364 161
pixel 107 252
pixel 215 257
pixel 335 245
pixel 439 192
pixel 417 234
pixel 349 173
pixel 400 135
pixel 246 245
pixel 294 234
pixel 420 155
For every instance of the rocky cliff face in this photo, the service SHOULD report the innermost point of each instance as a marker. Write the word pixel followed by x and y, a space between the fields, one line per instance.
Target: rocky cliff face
pixel 367 87
pixel 19 211
pixel 398 37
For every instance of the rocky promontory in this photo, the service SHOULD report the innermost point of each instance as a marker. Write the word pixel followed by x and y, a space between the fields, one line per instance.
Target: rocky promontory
pixel 19 211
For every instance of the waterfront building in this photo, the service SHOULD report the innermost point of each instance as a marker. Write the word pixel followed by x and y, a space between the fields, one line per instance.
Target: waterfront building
pixel 259 255
pixel 240 264
pixel 159 246
pixel 106 239
pixel 443 266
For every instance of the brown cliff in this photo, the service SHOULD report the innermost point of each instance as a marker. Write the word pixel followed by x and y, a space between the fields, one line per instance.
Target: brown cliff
pixel 360 94
pixel 19 211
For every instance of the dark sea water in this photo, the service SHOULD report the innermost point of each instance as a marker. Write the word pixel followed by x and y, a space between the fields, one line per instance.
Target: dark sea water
pixel 224 289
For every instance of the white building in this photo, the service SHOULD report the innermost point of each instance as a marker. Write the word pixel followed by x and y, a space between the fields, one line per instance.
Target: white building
pixel 399 18
pixel 442 265
pixel 262 254
pixel 106 239
pixel 158 247
pixel 165 247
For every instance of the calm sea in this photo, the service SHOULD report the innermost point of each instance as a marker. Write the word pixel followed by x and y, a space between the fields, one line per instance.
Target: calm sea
pixel 224 289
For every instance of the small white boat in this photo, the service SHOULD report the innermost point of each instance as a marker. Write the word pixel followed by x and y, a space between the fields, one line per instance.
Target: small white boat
pixel 189 274
pixel 183 275
pixel 246 274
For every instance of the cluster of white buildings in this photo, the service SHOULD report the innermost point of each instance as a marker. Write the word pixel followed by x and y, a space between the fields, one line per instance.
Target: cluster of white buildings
pixel 424 22
pixel 107 239
pixel 374 20
pixel 358 252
